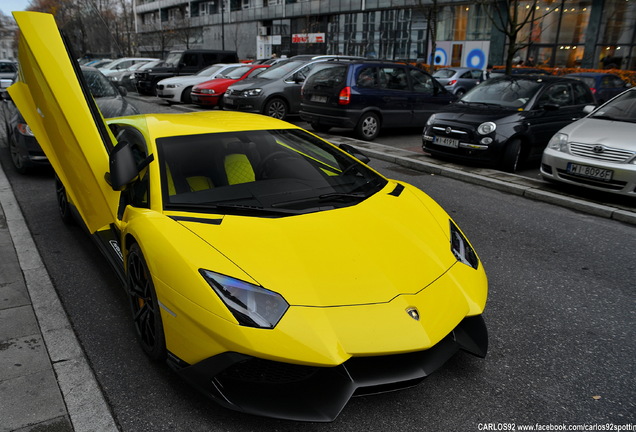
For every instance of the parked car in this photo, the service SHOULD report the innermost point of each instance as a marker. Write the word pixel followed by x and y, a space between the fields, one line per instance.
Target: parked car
pixel 599 151
pixel 122 64
pixel 177 89
pixel 604 86
pixel 368 95
pixel 276 92
pixel 458 80
pixel 97 63
pixel 210 93
pixel 181 62
pixel 506 120
pixel 8 71
pixel 26 153
pixel 124 77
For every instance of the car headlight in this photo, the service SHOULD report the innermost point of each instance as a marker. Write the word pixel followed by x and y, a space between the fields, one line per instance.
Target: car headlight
pixel 251 305
pixel 461 248
pixel 252 92
pixel 207 91
pixel 559 142
pixel 430 120
pixel 173 85
pixel 486 128
pixel 114 78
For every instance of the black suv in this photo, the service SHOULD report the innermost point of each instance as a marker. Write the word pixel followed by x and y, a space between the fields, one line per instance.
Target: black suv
pixel 369 95
pixel 505 120
pixel 184 62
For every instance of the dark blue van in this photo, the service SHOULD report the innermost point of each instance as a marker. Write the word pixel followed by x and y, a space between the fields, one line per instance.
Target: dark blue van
pixel 370 95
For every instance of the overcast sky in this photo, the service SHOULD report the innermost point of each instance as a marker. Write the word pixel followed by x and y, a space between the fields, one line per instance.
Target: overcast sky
pixel 8 6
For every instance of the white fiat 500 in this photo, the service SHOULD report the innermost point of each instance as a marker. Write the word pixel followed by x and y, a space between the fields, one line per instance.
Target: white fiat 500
pixel 599 151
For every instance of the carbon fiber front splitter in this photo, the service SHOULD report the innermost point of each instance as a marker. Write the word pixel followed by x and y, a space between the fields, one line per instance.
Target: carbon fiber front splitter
pixel 318 394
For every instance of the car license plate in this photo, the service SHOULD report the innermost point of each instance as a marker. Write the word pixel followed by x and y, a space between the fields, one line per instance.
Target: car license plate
pixel 590 171
pixel 446 142
pixel 319 99
pixel 227 101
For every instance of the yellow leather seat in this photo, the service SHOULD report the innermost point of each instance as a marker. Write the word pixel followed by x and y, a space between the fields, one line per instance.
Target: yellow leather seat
pixel 238 169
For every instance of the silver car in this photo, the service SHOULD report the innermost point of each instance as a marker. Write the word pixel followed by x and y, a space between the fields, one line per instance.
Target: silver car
pixel 599 151
pixel 458 80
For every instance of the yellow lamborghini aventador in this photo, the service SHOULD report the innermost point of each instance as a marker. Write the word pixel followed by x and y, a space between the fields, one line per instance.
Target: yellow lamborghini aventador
pixel 277 273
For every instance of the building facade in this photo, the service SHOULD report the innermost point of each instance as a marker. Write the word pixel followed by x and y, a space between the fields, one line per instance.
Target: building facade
pixel 563 33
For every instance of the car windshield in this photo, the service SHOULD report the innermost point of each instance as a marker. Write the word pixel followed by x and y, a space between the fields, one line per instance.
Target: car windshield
pixel 173 59
pixel 210 70
pixel 621 108
pixel 98 84
pixel 234 72
pixel 504 92
pixel 444 73
pixel 151 64
pixel 261 173
pixel 279 70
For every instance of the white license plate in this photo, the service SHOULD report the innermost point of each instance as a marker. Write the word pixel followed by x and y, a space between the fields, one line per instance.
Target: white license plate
pixel 446 142
pixel 590 172
pixel 227 101
pixel 319 99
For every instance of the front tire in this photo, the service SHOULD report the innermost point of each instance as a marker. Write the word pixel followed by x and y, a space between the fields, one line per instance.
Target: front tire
pixel 186 97
pixel 16 158
pixel 144 305
pixel 368 127
pixel 276 108
pixel 62 202
pixel 511 156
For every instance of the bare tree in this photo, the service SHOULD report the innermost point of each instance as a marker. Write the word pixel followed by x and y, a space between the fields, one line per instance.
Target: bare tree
pixel 507 17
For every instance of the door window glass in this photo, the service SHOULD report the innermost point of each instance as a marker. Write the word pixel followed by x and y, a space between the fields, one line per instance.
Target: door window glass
pixel 422 83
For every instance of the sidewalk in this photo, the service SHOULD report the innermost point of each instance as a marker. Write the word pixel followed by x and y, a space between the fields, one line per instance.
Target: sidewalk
pixel 46 383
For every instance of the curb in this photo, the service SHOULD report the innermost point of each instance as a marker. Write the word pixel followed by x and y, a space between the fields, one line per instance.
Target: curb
pixel 504 182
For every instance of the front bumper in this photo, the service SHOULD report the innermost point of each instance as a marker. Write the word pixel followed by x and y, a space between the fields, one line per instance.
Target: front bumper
pixel 554 166
pixel 205 99
pixel 242 103
pixel 468 149
pixel 310 393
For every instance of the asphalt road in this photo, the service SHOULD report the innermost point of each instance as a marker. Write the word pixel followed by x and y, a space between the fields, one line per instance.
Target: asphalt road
pixel 561 319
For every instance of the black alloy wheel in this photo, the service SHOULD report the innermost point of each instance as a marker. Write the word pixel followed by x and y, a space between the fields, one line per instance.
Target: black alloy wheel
pixel 144 305
pixel 62 202
pixel 276 108
pixel 16 158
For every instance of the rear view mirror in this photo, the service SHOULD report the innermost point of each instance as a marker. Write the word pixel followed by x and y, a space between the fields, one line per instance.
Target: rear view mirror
pixel 123 168
pixel 355 153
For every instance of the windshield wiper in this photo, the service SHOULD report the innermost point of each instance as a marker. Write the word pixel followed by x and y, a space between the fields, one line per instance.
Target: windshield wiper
pixel 241 209
pixel 604 117
pixel 334 196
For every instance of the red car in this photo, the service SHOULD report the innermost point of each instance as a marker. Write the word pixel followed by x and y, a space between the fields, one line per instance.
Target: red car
pixel 210 93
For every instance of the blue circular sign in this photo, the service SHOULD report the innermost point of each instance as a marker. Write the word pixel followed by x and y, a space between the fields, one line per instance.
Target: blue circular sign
pixel 441 58
pixel 476 59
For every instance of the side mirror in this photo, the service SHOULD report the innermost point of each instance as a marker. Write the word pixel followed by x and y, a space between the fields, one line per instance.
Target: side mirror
pixel 355 153
pixel 550 107
pixel 123 168
pixel 588 109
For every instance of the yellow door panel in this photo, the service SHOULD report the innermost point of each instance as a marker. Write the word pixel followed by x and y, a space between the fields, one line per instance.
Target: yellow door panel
pixel 64 118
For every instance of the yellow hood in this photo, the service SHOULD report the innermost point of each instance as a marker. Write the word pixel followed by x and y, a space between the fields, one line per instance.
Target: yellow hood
pixel 363 254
